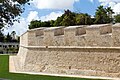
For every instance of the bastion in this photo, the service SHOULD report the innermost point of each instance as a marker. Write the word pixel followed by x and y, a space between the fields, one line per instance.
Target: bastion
pixel 88 50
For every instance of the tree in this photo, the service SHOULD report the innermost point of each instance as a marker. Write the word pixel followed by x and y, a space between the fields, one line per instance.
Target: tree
pixel 83 19
pixel 35 24
pixel 58 21
pixel 38 23
pixel 109 12
pixel 67 21
pixel 88 19
pixel 69 18
pixel 8 38
pixel 52 23
pixel 13 36
pixel 1 37
pixel 80 19
pixel 103 15
pixel 100 15
pixel 9 10
pixel 45 24
pixel 117 18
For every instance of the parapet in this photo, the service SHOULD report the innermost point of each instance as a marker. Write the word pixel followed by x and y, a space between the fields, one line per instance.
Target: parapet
pixel 116 25
pixel 102 35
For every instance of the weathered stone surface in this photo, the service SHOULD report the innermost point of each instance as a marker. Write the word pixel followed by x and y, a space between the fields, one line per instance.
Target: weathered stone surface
pixel 95 35
pixel 80 50
pixel 77 61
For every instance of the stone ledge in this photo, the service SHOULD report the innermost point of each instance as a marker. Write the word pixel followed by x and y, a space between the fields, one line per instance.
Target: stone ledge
pixel 74 27
pixel 41 28
pixel 33 46
pixel 52 28
pixel 70 47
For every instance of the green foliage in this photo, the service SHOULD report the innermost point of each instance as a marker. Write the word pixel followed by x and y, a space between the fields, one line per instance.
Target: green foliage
pixel 8 38
pixel 45 24
pixel 103 15
pixel 68 18
pixel 109 12
pixel 58 21
pixel 1 37
pixel 80 19
pixel 52 23
pixel 83 19
pixel 67 21
pixel 34 24
pixel 11 50
pixel 117 18
pixel 37 24
pixel 9 11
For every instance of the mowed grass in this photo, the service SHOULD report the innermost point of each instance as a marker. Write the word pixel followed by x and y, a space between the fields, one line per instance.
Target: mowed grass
pixel 4 73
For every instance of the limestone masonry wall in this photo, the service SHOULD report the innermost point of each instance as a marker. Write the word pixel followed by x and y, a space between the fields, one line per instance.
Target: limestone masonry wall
pixel 80 50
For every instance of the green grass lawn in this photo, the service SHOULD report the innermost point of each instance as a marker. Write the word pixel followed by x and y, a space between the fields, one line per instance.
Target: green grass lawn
pixel 4 73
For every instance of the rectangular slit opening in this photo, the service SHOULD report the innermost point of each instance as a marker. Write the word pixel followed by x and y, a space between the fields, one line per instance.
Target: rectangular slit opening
pixel 39 33
pixel 59 32
pixel 80 31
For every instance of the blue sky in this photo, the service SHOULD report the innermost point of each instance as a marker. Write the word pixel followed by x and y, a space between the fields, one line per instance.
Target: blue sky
pixel 50 9
pixel 84 6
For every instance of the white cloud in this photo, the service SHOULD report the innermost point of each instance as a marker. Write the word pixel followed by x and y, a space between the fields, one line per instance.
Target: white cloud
pixel 91 0
pixel 18 27
pixel 108 1
pixel 32 15
pixel 54 4
pixel 22 27
pixel 116 8
pixel 51 16
pixel 114 4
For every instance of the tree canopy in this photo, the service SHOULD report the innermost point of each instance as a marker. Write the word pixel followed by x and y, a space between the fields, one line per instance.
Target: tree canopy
pixel 39 23
pixel 117 18
pixel 8 37
pixel 9 10
pixel 83 19
pixel 102 16
pixel 1 36
pixel 67 19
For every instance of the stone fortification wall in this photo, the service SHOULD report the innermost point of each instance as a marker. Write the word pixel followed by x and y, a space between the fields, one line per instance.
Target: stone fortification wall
pixel 79 50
